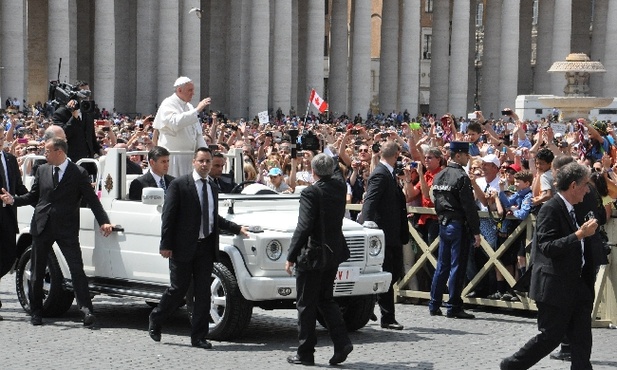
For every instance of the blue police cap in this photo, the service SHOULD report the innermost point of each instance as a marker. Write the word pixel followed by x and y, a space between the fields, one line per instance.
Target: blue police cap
pixel 459 147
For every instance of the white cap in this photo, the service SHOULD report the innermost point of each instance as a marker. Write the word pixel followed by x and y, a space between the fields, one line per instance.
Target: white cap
pixel 181 81
pixel 491 158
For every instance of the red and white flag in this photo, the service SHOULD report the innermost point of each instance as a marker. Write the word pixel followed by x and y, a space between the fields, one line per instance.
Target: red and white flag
pixel 318 102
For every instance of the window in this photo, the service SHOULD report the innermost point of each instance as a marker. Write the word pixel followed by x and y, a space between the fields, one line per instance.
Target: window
pixel 428 6
pixel 426 46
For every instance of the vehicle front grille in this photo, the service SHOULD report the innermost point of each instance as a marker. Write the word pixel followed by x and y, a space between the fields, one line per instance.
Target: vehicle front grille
pixel 343 288
pixel 356 248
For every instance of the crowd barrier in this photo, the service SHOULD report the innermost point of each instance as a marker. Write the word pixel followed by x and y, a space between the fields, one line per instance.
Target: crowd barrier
pixel 424 261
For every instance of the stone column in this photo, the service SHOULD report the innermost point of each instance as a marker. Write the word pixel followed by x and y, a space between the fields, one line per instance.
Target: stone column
pixel 525 75
pixel 301 84
pixel 388 62
pixel 146 94
pixel 280 58
pixel 562 38
pixel 458 82
pixel 440 58
pixel 360 83
pixel 222 30
pixel 610 51
pixel 598 43
pixel 338 83
pixel 204 48
pixel 315 49
pixel 259 57
pixel 38 72
pixel 544 49
pixel 409 67
pixel 190 36
pixel 491 59
pixel 62 33
pixel 295 51
pixel 581 19
pixel 508 73
pixel 105 50
pixel 168 48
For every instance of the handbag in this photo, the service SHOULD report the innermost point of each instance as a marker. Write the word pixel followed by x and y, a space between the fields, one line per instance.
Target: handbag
pixel 315 255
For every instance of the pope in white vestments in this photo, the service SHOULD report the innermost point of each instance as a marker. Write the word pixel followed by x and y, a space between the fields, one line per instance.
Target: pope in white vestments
pixel 179 127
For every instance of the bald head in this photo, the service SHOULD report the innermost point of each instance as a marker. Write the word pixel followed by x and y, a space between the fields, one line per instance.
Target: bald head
pixel 54 131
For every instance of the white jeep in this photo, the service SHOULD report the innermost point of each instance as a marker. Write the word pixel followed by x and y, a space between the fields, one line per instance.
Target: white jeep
pixel 251 272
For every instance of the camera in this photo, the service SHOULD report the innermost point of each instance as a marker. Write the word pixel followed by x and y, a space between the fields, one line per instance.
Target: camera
pixel 398 167
pixel 355 132
pixel 376 148
pixel 221 117
pixel 472 116
pixel 269 134
pixel 413 165
pixel 506 112
pixel 60 93
pixel 310 141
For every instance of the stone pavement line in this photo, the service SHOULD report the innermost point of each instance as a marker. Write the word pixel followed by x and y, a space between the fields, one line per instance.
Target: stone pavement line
pixel 431 343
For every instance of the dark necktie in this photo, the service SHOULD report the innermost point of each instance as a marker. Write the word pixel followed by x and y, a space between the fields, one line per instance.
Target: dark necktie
pixel 205 214
pixel 56 176
pixel 573 217
pixel 4 183
pixel 162 185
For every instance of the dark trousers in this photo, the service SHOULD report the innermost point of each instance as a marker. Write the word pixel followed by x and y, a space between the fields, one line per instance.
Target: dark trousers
pixel 393 263
pixel 181 273
pixel 553 323
pixel 8 249
pixel 69 246
pixel 451 266
pixel 314 289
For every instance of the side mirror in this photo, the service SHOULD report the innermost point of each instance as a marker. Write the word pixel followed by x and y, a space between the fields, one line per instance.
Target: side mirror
pixel 154 196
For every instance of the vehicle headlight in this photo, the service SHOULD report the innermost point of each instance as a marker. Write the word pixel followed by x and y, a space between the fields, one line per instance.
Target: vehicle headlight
pixel 274 250
pixel 374 246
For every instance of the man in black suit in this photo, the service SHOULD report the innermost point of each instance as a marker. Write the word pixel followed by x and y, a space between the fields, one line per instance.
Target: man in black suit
pixel 10 181
pixel 384 207
pixel 322 209
pixel 190 239
pixel 56 194
pixel 156 177
pixel 563 275
pixel 224 183
pixel 78 127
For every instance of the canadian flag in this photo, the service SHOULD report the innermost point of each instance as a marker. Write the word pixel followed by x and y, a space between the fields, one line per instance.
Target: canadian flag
pixel 318 102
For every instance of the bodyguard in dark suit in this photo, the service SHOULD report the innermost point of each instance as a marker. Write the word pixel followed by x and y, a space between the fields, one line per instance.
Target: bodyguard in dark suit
pixel 384 205
pixel 563 275
pixel 156 177
pixel 56 194
pixel 10 180
pixel 190 239
pixel 322 203
pixel 78 127
pixel 224 182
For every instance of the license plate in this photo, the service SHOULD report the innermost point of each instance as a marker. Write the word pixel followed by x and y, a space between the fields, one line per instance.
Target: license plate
pixel 347 274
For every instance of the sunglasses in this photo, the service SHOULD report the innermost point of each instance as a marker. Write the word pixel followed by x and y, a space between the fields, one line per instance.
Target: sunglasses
pixel 365 150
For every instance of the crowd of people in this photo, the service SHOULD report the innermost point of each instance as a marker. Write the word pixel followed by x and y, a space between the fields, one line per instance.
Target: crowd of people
pixel 501 165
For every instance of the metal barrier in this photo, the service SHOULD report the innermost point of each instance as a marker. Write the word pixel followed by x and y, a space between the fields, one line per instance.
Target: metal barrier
pixel 604 312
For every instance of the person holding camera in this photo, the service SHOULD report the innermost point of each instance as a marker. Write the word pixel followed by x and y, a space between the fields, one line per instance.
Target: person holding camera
pixel 78 126
pixel 179 129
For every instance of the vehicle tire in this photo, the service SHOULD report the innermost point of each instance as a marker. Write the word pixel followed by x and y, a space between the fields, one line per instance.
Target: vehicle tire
pixel 56 300
pixel 357 311
pixel 230 313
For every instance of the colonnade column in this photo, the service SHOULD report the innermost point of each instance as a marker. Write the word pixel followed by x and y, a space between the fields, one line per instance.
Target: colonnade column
pixel 440 59
pixel 168 47
pixel 409 66
pixel 146 97
pixel 610 51
pixel 491 59
pixel 581 18
pixel 338 83
pixel 388 59
pixel 62 33
pixel 190 54
pixel 360 83
pixel 458 82
pixel 508 73
pixel 38 75
pixel 562 38
pixel 280 56
pixel 598 43
pixel 104 54
pixel 525 75
pixel 315 49
pixel 220 30
pixel 259 57
pixel 544 48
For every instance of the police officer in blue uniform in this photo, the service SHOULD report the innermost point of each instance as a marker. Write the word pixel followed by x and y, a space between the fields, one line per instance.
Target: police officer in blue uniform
pixel 458 222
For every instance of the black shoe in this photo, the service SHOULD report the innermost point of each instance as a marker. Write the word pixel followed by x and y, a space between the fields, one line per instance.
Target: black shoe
pixel 89 319
pixel 341 356
pixel 1 318
pixel 392 325
pixel 154 330
pixel 202 343
pixel 460 315
pixel 296 360
pixel 36 320
pixel 436 312
pixel 373 317
pixel 563 356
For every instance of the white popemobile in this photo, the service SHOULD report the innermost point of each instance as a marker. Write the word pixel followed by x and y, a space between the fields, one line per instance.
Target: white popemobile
pixel 251 271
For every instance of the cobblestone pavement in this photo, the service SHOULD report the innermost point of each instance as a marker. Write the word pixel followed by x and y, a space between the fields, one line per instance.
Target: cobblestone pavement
pixel 122 341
